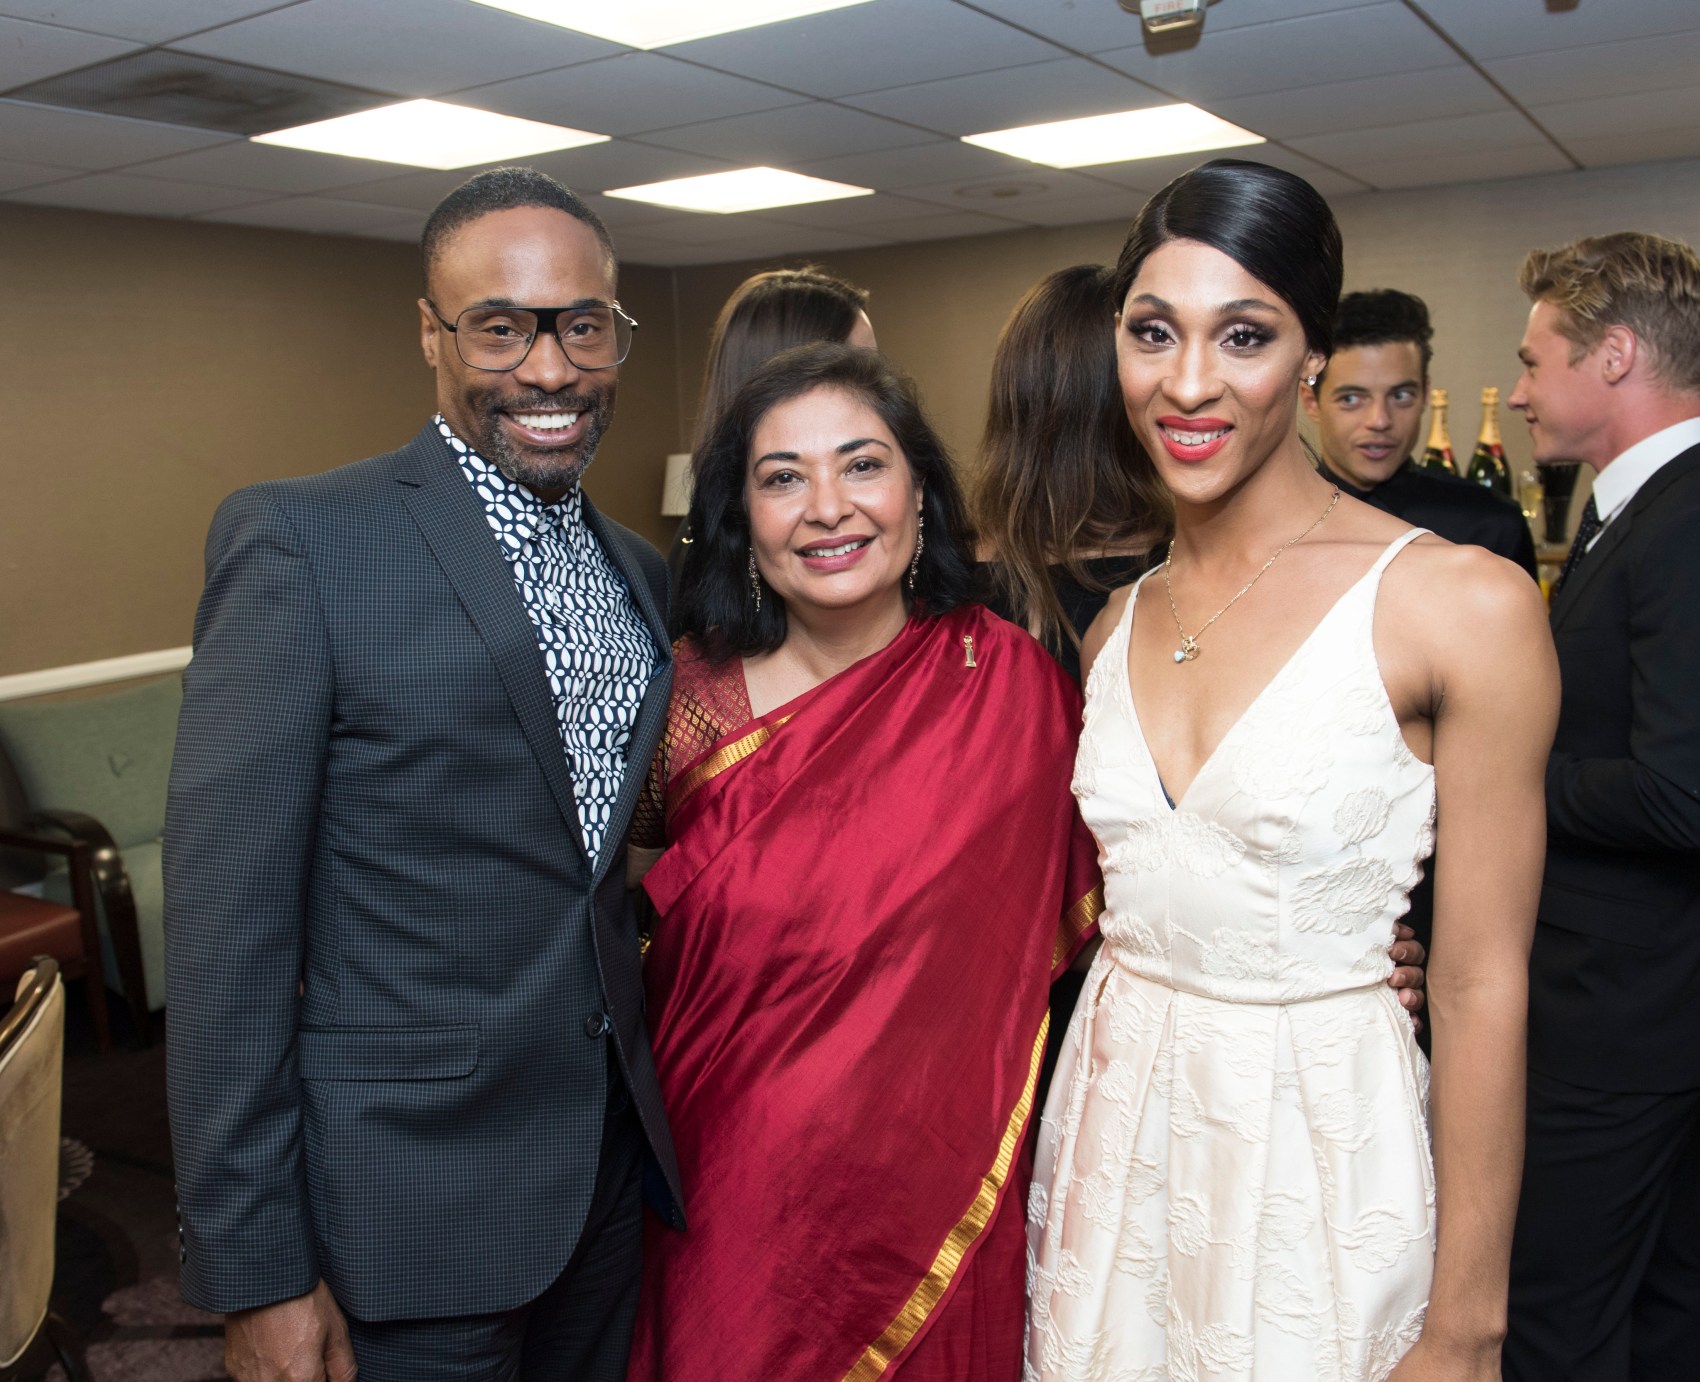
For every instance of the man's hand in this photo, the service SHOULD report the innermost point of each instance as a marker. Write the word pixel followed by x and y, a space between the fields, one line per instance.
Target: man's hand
pixel 1408 978
pixel 300 1340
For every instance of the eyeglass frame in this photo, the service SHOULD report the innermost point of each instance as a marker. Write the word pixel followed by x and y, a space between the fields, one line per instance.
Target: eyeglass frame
pixel 548 319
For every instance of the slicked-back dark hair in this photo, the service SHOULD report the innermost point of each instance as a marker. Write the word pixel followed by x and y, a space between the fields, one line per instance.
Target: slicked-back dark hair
pixel 504 189
pixel 717 607
pixel 1383 316
pixel 1272 223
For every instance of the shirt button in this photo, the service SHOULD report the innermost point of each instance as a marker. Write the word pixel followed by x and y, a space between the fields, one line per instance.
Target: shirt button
pixel 598 1025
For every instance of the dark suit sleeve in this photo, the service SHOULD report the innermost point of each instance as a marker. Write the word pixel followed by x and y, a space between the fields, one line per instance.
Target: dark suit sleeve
pixel 1521 547
pixel 240 820
pixel 1650 800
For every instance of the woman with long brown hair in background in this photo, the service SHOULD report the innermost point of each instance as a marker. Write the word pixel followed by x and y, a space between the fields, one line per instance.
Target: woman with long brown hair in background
pixel 1067 502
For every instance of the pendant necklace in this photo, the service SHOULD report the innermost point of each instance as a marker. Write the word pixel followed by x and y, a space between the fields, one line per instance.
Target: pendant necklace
pixel 1189 641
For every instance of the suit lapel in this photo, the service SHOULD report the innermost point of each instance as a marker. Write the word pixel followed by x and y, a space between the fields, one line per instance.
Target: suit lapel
pixel 652 711
pixel 452 520
pixel 1616 532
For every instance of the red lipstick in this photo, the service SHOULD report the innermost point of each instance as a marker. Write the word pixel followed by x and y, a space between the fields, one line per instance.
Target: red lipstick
pixel 1212 434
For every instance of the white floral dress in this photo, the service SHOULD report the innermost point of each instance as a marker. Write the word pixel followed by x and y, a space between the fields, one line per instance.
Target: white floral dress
pixel 1234 1178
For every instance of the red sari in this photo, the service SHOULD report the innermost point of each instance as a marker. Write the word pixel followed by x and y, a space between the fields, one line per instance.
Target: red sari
pixel 866 896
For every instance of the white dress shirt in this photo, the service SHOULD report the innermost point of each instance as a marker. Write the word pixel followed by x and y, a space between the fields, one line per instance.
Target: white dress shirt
pixel 1619 482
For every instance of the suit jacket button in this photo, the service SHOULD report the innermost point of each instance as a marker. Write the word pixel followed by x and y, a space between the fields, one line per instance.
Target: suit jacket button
pixel 598 1025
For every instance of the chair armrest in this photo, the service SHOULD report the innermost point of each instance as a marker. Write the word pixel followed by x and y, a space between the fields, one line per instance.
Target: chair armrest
pixel 106 865
pixel 74 851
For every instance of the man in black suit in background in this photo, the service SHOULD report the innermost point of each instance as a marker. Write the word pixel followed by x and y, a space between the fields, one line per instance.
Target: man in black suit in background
pixel 1605 1273
pixel 1368 407
pixel 413 1106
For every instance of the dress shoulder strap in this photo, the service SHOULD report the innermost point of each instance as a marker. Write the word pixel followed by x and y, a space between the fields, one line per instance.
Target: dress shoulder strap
pixel 1398 545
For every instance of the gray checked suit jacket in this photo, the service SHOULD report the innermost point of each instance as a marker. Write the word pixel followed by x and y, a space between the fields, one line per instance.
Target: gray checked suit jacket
pixel 393 972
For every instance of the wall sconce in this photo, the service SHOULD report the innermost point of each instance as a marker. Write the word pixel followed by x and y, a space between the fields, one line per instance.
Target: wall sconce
pixel 676 488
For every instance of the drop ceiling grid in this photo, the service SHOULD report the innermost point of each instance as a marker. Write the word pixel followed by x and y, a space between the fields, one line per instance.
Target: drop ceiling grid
pixel 1356 94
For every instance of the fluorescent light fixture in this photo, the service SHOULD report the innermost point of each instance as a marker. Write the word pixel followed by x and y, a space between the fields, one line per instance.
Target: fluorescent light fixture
pixel 744 189
pixel 430 134
pixel 656 23
pixel 1127 134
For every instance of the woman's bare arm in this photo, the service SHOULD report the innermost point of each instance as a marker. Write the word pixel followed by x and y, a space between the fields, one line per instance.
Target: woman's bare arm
pixel 1495 696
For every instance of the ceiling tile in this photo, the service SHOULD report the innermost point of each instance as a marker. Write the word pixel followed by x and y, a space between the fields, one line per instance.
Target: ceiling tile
pixel 857 214
pixel 944 225
pixel 1457 135
pixel 29 52
pixel 135 196
pixel 1120 207
pixel 1058 90
pixel 16 174
pixel 1633 113
pixel 1010 196
pixel 154 21
pixel 686 228
pixel 269 168
pixel 80 140
pixel 783 137
pixel 866 47
pixel 594 168
pixel 1501 30
pixel 1307 51
pixel 440 45
pixel 1640 147
pixel 1149 174
pixel 628 93
pixel 1463 165
pixel 1390 99
pixel 1601 69
pixel 1094 26
pixel 919 165
pixel 321 215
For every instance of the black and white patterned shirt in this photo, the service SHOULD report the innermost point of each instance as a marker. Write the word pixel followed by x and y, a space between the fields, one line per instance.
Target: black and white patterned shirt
pixel 596 647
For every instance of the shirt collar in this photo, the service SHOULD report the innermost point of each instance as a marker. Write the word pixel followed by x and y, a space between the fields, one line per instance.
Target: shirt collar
pixel 515 514
pixel 1618 483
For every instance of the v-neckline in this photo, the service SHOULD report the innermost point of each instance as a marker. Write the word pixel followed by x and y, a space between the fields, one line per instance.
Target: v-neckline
pixel 1175 802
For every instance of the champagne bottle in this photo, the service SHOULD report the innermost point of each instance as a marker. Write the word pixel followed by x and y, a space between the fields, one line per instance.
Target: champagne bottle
pixel 1487 463
pixel 1438 454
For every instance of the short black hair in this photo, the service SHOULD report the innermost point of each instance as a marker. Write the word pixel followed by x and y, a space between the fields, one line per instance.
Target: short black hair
pixel 1383 316
pixel 716 606
pixel 504 189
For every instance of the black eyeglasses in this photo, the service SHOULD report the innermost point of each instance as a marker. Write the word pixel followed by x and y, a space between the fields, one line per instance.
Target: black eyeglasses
pixel 499 338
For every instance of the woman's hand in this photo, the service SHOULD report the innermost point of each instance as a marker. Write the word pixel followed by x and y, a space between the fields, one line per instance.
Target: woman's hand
pixel 1408 976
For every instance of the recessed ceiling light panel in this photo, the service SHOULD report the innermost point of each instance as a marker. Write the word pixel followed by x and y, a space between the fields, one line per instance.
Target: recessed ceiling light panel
pixel 431 134
pixel 745 189
pixel 656 23
pixel 1117 138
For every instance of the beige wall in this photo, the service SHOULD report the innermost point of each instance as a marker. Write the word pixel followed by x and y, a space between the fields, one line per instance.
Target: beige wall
pixel 150 367
pixel 196 361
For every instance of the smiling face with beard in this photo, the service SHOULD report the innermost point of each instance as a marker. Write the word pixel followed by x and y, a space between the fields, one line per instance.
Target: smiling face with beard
pixel 540 423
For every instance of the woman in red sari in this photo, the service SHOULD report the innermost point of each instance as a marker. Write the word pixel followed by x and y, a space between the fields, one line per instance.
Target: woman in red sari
pixel 874 868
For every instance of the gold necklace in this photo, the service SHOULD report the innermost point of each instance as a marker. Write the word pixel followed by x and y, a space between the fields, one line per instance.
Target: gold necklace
pixel 1189 642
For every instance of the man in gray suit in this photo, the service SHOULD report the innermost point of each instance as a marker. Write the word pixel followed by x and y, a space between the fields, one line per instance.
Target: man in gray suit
pixel 413 1106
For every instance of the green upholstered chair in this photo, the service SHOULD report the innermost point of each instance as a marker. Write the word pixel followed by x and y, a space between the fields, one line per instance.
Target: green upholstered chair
pixel 94 766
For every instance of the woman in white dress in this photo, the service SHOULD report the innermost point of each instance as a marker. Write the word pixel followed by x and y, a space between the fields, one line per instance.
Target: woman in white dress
pixel 1234 1175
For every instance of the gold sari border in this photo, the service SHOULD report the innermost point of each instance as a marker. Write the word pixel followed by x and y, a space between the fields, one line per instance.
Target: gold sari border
pixel 926 1296
pixel 1076 922
pixel 718 762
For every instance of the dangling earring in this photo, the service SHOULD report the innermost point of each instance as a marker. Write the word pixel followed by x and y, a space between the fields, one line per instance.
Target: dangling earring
pixel 920 546
pixel 755 579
